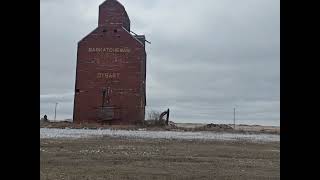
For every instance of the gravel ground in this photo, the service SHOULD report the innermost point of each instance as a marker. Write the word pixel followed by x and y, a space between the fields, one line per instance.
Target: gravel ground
pixel 87 154
pixel 148 158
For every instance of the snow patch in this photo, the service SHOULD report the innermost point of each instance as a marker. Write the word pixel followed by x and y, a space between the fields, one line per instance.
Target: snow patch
pixel 48 133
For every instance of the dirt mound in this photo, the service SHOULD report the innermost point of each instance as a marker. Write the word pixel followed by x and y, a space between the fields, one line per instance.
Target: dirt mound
pixel 213 127
pixel 218 126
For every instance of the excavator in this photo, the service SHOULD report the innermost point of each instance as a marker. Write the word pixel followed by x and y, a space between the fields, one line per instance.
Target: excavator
pixel 163 114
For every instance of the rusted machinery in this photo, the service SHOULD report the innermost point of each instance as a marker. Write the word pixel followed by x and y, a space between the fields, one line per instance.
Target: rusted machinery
pixel 163 114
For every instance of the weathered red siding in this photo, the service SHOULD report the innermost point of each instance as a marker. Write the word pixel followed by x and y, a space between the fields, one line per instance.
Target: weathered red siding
pixel 110 61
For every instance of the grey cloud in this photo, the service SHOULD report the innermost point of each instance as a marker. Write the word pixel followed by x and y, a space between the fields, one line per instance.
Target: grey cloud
pixel 206 57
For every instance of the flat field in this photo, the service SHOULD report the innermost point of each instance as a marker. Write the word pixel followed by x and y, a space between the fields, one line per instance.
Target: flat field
pixel 161 157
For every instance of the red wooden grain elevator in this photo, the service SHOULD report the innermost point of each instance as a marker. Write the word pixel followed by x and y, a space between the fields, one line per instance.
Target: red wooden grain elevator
pixel 110 84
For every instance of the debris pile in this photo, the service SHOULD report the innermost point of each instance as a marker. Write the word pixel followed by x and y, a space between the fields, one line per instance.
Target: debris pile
pixel 218 126
pixel 172 125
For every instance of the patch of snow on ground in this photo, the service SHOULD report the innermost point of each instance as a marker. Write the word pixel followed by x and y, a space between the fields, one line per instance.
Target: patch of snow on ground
pixel 47 133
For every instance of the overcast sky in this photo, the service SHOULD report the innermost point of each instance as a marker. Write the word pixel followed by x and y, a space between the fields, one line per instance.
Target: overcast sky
pixel 206 56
